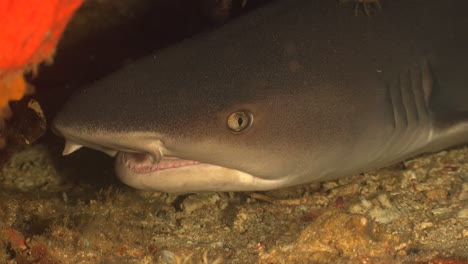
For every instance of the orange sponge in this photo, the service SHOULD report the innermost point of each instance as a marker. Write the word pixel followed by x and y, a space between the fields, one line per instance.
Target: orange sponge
pixel 29 32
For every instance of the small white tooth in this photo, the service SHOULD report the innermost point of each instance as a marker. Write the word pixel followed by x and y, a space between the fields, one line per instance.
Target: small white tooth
pixel 70 147
pixel 154 159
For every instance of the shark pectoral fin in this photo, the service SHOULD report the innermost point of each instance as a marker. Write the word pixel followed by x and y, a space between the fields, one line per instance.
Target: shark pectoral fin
pixel 450 129
pixel 449 99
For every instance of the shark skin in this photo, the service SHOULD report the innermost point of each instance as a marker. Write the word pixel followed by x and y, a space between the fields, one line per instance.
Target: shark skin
pixel 295 92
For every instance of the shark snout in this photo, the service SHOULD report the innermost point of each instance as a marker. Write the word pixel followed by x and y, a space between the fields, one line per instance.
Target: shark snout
pixel 110 142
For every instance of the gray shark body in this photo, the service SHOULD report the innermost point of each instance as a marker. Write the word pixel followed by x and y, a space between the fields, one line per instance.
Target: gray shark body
pixel 295 92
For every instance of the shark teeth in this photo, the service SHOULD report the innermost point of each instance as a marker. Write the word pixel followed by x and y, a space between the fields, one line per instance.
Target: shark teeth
pixel 144 163
pixel 70 147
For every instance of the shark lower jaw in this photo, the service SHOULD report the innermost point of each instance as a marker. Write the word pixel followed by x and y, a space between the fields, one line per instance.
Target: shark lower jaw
pixel 174 175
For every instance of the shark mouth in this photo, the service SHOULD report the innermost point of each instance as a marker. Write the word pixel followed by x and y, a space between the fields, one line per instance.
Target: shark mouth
pixel 137 162
pixel 143 163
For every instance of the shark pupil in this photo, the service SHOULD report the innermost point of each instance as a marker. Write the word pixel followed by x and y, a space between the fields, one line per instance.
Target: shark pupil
pixel 240 121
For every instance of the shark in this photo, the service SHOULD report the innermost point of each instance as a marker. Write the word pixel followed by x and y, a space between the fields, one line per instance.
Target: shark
pixel 297 91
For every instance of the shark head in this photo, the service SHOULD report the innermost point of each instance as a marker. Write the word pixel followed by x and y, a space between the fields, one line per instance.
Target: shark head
pixel 217 113
pixel 176 127
pixel 183 139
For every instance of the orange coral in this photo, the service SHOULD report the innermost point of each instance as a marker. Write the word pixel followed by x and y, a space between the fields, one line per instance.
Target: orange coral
pixel 29 32
pixel 12 87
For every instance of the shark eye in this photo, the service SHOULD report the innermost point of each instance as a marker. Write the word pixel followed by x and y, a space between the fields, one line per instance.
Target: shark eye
pixel 239 121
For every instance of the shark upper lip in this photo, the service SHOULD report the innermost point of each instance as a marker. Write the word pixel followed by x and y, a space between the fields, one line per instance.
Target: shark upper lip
pixel 71 147
pixel 154 151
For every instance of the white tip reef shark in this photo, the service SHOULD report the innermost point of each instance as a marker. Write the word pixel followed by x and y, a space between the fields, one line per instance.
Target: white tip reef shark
pixel 294 92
